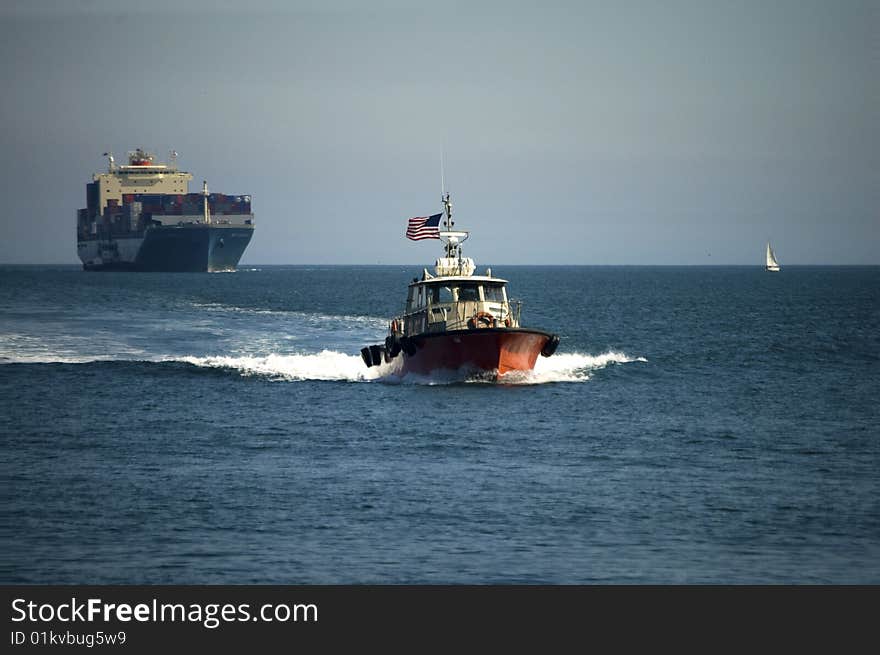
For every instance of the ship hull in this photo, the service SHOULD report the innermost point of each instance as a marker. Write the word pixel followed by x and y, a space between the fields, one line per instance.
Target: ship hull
pixel 494 351
pixel 179 248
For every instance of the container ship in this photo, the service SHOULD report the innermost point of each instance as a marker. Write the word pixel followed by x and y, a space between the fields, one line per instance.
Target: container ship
pixel 141 217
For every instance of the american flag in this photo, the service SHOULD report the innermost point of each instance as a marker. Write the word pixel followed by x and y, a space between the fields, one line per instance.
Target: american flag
pixel 423 227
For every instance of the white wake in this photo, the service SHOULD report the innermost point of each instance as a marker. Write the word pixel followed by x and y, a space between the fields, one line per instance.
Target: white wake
pixel 325 365
pixel 334 365
pixel 574 367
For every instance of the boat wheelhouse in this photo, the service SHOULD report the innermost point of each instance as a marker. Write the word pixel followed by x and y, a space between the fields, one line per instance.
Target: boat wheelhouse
pixel 443 303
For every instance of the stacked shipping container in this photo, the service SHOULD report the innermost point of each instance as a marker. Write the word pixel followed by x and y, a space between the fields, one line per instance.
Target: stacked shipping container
pixel 138 209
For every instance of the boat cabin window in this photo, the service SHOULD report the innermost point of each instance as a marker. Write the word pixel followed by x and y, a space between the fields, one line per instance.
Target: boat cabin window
pixel 441 294
pixel 494 293
pixel 468 292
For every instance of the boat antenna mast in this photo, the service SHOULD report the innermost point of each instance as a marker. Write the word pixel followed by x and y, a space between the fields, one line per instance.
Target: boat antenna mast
pixel 452 245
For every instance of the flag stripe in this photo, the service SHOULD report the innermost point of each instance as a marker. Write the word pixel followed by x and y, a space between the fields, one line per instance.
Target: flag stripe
pixel 423 227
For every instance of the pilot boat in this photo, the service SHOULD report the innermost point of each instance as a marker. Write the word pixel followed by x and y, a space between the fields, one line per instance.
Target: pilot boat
pixel 457 321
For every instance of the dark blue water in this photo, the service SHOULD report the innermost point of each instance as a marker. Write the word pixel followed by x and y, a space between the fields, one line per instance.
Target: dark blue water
pixel 697 425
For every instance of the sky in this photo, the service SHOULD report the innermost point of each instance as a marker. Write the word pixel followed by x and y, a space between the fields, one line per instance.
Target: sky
pixel 624 132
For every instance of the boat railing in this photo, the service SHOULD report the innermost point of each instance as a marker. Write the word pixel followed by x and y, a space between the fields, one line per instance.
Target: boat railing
pixel 515 309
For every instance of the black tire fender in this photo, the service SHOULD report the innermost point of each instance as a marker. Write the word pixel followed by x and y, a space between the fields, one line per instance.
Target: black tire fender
pixel 408 346
pixel 551 345
pixel 392 346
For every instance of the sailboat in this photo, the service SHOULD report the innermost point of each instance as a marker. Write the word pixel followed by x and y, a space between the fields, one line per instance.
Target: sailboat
pixel 772 264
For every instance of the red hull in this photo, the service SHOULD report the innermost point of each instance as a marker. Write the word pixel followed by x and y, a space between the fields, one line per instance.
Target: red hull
pixel 487 350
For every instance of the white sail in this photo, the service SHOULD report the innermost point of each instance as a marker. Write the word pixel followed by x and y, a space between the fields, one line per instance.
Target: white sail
pixel 772 264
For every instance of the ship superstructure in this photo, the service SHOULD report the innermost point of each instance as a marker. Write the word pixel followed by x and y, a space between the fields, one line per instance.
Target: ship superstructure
pixel 141 216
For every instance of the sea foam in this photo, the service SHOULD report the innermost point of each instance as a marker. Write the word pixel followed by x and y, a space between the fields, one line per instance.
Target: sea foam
pixel 334 365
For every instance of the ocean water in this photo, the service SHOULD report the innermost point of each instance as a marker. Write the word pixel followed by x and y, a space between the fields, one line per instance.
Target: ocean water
pixel 697 425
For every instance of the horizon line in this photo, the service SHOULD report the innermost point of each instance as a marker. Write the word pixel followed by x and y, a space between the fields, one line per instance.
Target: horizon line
pixel 423 265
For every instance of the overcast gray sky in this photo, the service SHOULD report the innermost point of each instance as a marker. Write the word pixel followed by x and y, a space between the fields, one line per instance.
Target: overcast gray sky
pixel 624 132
